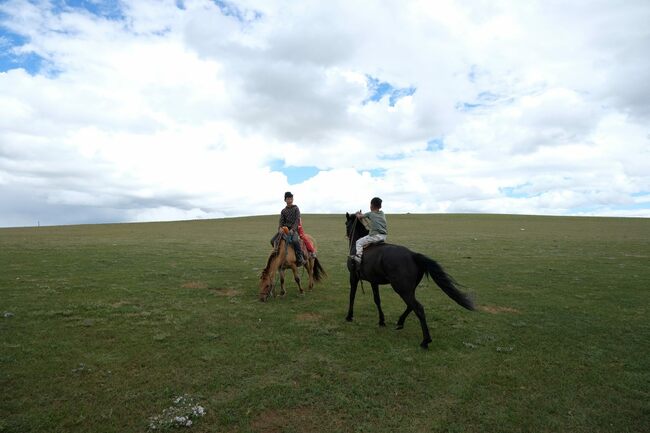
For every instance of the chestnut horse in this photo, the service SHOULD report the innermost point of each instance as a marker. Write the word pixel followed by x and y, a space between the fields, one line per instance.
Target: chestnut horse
pixel 284 257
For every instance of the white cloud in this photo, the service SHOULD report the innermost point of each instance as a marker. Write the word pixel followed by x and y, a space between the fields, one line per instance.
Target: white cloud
pixel 167 112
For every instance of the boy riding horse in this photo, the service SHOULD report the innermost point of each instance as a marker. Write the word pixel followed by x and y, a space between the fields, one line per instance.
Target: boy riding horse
pixel 375 222
pixel 290 218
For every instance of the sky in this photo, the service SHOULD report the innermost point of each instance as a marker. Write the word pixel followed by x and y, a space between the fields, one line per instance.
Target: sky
pixel 135 111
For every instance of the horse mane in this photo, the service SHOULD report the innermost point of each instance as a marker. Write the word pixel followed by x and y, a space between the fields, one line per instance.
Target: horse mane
pixel 274 254
pixel 265 272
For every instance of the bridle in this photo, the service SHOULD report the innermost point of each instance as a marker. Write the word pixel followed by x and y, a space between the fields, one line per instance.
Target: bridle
pixel 351 234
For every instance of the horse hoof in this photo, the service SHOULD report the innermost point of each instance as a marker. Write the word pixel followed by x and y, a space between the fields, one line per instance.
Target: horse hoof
pixel 348 319
pixel 382 324
pixel 398 327
pixel 425 343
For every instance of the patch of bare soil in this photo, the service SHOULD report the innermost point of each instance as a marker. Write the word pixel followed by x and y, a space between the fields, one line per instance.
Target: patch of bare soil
pixel 119 304
pixel 496 309
pixel 224 291
pixel 220 291
pixel 308 317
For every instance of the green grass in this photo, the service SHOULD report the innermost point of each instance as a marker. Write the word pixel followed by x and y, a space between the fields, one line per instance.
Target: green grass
pixel 109 323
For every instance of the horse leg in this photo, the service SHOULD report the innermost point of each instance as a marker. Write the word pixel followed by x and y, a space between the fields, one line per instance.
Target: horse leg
pixel 296 277
pixel 409 298
pixel 375 294
pixel 354 282
pixel 283 291
pixel 426 336
pixel 402 318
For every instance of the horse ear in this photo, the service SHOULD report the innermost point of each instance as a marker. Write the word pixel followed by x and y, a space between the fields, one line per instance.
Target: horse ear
pixel 347 215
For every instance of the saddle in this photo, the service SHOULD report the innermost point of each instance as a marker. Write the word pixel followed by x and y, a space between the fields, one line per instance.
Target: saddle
pixel 275 242
pixel 366 248
pixel 374 244
pixel 303 247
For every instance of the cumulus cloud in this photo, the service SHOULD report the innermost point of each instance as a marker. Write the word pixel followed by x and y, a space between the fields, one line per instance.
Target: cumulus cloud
pixel 153 110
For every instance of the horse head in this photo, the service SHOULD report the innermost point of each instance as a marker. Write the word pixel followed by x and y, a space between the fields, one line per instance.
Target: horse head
pixel 266 278
pixel 266 286
pixel 353 228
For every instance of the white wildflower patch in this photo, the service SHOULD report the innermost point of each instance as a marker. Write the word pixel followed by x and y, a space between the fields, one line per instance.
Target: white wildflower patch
pixel 81 368
pixel 181 413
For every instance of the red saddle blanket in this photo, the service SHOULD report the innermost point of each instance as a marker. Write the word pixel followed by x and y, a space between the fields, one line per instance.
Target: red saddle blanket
pixel 305 240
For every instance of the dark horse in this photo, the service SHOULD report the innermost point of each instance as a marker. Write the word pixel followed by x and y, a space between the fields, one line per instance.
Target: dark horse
pixel 403 269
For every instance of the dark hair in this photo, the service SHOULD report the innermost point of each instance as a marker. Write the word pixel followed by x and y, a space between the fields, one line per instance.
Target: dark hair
pixel 287 195
pixel 376 202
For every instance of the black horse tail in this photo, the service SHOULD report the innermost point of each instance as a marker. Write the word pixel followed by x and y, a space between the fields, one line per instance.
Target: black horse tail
pixel 443 280
pixel 319 272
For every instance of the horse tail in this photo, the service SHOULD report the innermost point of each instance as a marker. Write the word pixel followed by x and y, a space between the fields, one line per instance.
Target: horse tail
pixel 319 272
pixel 443 280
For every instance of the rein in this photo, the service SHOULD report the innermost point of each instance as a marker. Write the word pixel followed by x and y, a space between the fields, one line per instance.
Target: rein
pixel 352 230
pixel 354 226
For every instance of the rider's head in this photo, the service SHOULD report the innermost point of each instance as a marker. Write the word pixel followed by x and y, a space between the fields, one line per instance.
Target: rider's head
pixel 375 203
pixel 288 197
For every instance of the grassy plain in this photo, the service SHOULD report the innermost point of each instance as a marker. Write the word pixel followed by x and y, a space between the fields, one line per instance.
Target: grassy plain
pixel 103 326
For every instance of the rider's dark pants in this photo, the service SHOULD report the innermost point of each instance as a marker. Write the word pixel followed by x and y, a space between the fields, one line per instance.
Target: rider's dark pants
pixel 294 239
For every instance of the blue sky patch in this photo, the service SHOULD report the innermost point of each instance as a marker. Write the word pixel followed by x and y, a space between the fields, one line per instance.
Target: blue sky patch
pixel 32 62
pixel 632 206
pixel 379 89
pixel 605 209
pixel 466 106
pixel 295 175
pixel 518 191
pixel 230 9
pixel 10 59
pixel 109 9
pixel 483 99
pixel 436 144
pixel 377 172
